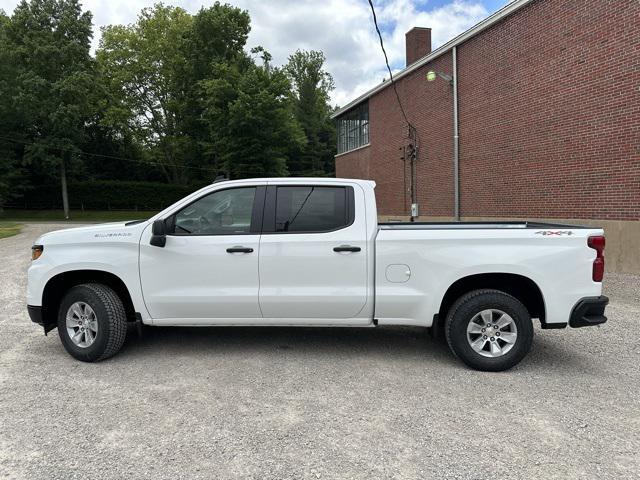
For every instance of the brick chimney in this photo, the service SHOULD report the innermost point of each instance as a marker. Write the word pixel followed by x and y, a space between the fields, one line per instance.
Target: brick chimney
pixel 418 44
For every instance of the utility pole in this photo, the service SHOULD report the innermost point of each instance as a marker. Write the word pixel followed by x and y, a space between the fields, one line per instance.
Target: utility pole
pixel 63 181
pixel 413 153
pixel 409 155
pixel 412 184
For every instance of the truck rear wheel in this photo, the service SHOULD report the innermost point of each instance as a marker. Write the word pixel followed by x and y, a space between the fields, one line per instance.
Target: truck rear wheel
pixel 489 330
pixel 92 322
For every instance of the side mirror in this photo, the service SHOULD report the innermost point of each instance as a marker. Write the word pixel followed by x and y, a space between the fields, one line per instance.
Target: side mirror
pixel 159 234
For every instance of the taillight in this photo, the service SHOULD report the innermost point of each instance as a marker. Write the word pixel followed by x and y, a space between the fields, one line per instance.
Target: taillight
pixel 597 243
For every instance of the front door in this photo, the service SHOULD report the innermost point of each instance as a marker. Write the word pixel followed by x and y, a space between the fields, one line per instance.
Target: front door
pixel 313 253
pixel 208 268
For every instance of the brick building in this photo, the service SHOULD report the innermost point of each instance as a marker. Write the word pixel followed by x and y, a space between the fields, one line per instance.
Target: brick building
pixel 548 95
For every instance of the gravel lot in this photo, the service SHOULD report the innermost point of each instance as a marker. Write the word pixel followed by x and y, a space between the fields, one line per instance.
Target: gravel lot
pixel 315 403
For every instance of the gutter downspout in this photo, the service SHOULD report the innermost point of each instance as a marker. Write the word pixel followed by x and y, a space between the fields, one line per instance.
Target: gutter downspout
pixel 456 153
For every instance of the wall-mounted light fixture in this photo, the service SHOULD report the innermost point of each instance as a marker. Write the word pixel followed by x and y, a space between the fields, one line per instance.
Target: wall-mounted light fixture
pixel 432 75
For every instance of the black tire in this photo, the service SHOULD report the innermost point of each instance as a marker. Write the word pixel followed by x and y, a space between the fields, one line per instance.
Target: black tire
pixel 110 315
pixel 463 311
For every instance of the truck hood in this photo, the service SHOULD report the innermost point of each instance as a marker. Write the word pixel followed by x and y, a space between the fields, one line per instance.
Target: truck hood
pixel 114 231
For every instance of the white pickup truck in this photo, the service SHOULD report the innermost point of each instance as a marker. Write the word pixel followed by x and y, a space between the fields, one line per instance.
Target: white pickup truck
pixel 310 252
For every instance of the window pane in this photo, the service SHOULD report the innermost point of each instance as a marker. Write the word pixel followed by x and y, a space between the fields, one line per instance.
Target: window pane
pixel 224 212
pixel 310 209
pixel 353 128
pixel 364 122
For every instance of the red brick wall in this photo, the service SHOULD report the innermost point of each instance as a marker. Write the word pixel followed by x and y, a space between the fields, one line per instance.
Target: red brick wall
pixel 428 106
pixel 549 119
pixel 358 164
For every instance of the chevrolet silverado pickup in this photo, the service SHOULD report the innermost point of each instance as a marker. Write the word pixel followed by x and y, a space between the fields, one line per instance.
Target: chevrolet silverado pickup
pixel 311 252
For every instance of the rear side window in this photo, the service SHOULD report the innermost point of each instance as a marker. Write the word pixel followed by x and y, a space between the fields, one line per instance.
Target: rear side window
pixel 312 209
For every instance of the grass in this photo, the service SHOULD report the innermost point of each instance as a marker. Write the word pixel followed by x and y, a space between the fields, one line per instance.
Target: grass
pixel 74 215
pixel 9 229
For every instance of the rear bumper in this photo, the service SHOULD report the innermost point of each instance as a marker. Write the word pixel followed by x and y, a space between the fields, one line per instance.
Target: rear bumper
pixel 36 314
pixel 588 311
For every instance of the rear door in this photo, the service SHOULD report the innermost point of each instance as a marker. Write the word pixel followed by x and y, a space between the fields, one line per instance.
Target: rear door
pixel 313 252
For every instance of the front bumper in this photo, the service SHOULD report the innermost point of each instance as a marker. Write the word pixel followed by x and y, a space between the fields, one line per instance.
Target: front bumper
pixel 36 314
pixel 589 311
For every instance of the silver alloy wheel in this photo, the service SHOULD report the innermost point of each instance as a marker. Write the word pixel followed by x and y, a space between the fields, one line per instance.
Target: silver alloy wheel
pixel 492 333
pixel 82 324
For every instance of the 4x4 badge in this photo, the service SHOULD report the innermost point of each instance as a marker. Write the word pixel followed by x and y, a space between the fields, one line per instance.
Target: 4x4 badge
pixel 548 233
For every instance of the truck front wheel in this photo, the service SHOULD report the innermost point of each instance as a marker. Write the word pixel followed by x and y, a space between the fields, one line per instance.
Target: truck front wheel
pixel 489 330
pixel 92 322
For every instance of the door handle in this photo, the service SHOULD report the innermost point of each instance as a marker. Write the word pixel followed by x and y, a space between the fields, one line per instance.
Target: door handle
pixel 239 250
pixel 346 248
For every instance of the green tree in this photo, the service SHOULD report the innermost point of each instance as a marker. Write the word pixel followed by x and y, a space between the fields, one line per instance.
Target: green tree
pixel 9 122
pixel 311 88
pixel 173 89
pixel 144 66
pixel 155 68
pixel 217 37
pixel 48 44
pixel 218 34
pixel 251 120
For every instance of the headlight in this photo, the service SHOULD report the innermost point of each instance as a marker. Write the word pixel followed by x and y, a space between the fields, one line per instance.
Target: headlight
pixel 36 251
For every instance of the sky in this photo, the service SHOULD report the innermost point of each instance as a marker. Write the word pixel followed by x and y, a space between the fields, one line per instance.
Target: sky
pixel 342 29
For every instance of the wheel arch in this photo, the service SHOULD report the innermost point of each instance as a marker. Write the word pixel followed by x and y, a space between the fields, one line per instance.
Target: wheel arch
pixel 59 284
pixel 518 286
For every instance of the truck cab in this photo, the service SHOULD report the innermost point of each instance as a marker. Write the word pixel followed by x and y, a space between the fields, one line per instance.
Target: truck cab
pixel 281 252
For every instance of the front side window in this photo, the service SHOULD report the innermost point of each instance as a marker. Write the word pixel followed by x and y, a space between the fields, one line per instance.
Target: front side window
pixel 225 212
pixel 311 209
pixel 353 128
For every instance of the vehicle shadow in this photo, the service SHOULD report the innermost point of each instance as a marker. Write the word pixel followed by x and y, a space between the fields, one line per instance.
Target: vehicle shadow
pixel 375 344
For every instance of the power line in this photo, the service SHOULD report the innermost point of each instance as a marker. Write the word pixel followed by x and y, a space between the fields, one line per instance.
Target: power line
pixel 112 157
pixel 386 60
pixel 413 134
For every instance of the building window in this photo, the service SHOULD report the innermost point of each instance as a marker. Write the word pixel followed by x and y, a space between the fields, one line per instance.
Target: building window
pixel 353 128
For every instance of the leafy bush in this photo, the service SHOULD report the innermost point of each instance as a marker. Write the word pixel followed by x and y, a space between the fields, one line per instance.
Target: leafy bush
pixel 107 195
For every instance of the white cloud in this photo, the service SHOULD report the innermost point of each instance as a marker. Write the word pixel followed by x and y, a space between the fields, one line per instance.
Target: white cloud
pixel 342 29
